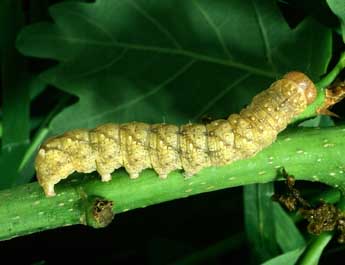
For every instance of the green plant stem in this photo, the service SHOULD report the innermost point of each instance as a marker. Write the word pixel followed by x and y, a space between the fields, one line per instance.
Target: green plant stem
pixel 41 134
pixel 38 139
pixel 316 248
pixel 332 75
pixel 307 153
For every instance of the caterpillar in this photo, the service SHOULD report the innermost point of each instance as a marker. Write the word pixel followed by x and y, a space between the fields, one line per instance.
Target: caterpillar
pixel 165 147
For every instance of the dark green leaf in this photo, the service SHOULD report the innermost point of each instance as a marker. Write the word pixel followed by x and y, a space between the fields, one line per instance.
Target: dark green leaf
pixel 15 95
pixel 147 60
pixel 36 86
pixel 260 221
pixel 338 8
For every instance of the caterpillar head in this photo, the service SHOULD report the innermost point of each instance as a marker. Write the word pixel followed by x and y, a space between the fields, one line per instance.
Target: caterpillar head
pixel 304 84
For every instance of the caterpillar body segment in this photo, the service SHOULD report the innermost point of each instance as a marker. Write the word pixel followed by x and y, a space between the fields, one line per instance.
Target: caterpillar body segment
pixel 164 147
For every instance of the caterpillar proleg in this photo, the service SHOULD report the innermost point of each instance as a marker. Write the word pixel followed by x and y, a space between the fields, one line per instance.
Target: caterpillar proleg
pixel 164 147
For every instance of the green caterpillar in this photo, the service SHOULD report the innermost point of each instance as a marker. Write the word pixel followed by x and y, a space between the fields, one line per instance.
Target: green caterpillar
pixel 166 147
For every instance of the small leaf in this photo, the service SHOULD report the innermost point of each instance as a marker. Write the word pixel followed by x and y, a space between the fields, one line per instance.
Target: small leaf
pixel 288 258
pixel 36 86
pixel 288 236
pixel 318 121
pixel 260 221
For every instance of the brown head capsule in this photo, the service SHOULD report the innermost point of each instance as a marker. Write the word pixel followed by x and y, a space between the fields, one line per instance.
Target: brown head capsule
pixel 304 83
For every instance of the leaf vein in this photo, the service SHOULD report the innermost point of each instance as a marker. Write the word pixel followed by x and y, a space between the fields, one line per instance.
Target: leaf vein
pixel 215 29
pixel 93 23
pixel 154 21
pixel 190 54
pixel 155 90
pixel 106 65
pixel 220 95
pixel 264 36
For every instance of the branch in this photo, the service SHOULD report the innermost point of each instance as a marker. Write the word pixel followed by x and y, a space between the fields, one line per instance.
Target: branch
pixel 308 154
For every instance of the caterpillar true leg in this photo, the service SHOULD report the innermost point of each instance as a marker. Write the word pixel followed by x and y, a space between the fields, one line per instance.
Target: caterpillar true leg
pixel 106 177
pixel 165 147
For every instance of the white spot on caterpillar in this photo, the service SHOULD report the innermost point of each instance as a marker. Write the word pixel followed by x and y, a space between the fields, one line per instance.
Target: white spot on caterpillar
pixel 61 204
pixel 328 145
pixel 332 174
pixel 262 173
pixel 40 213
pixel 341 172
pixel 210 187
pixel 70 209
pixel 37 202
pixel 203 183
pixel 287 139
pixel 231 178
pixel 190 183
pixel 16 217
pixel 299 151
pixel 277 167
pixel 270 162
pixel 125 210
pixel 70 200
pixel 42 152
pixel 271 158
pixel 189 190
pixel 319 160
pixel 316 178
pixel 34 194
